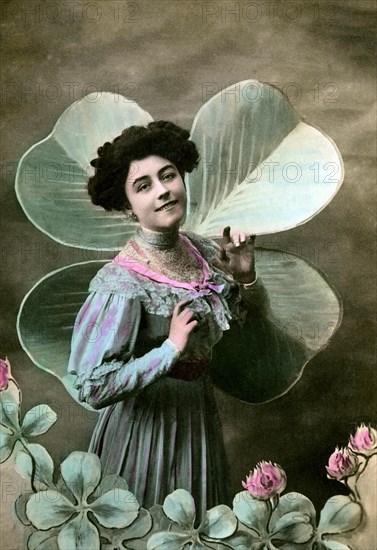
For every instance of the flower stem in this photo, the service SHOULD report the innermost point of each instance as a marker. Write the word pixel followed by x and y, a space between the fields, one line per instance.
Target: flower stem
pixel 274 502
pixel 33 465
pixel 361 469
pixel 270 510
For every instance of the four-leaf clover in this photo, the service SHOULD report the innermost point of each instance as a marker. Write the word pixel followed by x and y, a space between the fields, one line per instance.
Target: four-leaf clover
pixel 81 473
pixel 37 420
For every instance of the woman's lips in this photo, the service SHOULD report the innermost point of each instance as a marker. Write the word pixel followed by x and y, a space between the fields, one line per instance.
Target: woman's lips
pixel 167 206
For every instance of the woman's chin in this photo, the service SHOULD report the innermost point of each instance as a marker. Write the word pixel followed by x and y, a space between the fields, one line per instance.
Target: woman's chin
pixel 173 221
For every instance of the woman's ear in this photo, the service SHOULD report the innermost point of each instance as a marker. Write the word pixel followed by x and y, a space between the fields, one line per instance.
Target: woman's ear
pixel 129 214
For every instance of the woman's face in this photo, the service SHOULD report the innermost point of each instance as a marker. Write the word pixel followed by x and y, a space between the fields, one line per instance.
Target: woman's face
pixel 156 193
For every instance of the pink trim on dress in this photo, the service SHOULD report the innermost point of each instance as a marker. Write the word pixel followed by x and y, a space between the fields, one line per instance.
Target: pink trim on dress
pixel 194 285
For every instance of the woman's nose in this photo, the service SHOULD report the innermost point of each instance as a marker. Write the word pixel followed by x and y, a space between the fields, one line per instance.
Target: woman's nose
pixel 162 191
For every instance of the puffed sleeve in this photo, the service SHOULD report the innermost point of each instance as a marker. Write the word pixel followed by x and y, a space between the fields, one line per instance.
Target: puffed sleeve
pixel 102 347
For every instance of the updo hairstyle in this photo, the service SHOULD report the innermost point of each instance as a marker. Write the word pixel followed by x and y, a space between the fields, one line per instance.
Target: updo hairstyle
pixel 107 187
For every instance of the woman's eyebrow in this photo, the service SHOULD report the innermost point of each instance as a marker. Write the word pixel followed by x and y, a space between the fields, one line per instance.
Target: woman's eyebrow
pixel 160 172
pixel 146 177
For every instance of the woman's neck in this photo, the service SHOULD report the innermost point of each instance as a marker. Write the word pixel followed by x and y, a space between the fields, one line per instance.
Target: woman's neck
pixel 162 240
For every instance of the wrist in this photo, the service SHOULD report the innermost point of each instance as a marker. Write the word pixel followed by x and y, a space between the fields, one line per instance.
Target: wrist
pixel 173 345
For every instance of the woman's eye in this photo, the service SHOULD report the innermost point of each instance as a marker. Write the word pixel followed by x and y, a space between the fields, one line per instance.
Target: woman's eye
pixel 143 186
pixel 168 176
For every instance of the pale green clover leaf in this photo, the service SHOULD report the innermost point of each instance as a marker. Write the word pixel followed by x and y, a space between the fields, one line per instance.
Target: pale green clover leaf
pixel 330 545
pixel 81 472
pixel 291 522
pixel 218 523
pixel 160 522
pixel 114 539
pixel 36 421
pixel 9 418
pixel 252 512
pixel 44 540
pixel 40 469
pixel 339 515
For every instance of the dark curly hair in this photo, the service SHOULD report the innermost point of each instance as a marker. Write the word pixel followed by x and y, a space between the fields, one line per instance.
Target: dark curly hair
pixel 107 187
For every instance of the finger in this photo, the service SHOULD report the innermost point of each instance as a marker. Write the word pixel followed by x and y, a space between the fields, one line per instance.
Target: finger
pixel 243 237
pixel 186 313
pixel 226 235
pixel 181 305
pixel 192 324
pixel 230 248
pixel 190 318
pixel 236 239
pixel 225 241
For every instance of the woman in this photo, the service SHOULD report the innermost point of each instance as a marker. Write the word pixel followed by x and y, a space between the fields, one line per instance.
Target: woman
pixel 143 339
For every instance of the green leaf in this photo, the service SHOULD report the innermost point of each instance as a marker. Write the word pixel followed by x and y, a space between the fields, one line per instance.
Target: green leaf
pixel 79 534
pixel 43 540
pixel 291 546
pixel 335 545
pixel 20 507
pixel 242 540
pixel 44 465
pixel 47 316
pixel 298 313
pixel 10 410
pixel 209 543
pixel 339 515
pixel 256 166
pixel 116 508
pixel 6 430
pixel 168 541
pixel 219 522
pixel 51 176
pixel 38 420
pixel 82 473
pixel 112 481
pixel 293 502
pixel 329 545
pixel 293 527
pixel 179 506
pixel 160 522
pixel 251 512
pixel 62 488
pixel 7 443
pixel 199 545
pixel 137 530
pixel 47 509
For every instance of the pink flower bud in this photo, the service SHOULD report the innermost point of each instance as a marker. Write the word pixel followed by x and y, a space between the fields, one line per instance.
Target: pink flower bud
pixel 364 441
pixel 4 374
pixel 342 463
pixel 266 480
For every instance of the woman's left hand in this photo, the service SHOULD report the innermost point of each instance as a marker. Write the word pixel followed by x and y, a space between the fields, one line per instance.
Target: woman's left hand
pixel 237 255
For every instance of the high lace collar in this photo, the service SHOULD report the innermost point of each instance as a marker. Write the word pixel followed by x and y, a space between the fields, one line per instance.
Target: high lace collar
pixel 158 239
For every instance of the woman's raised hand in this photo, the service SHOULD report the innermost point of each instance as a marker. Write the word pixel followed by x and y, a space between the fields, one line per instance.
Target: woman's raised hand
pixel 237 255
pixel 182 323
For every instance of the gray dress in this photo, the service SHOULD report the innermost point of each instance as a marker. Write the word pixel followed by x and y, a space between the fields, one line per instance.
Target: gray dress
pixel 158 426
